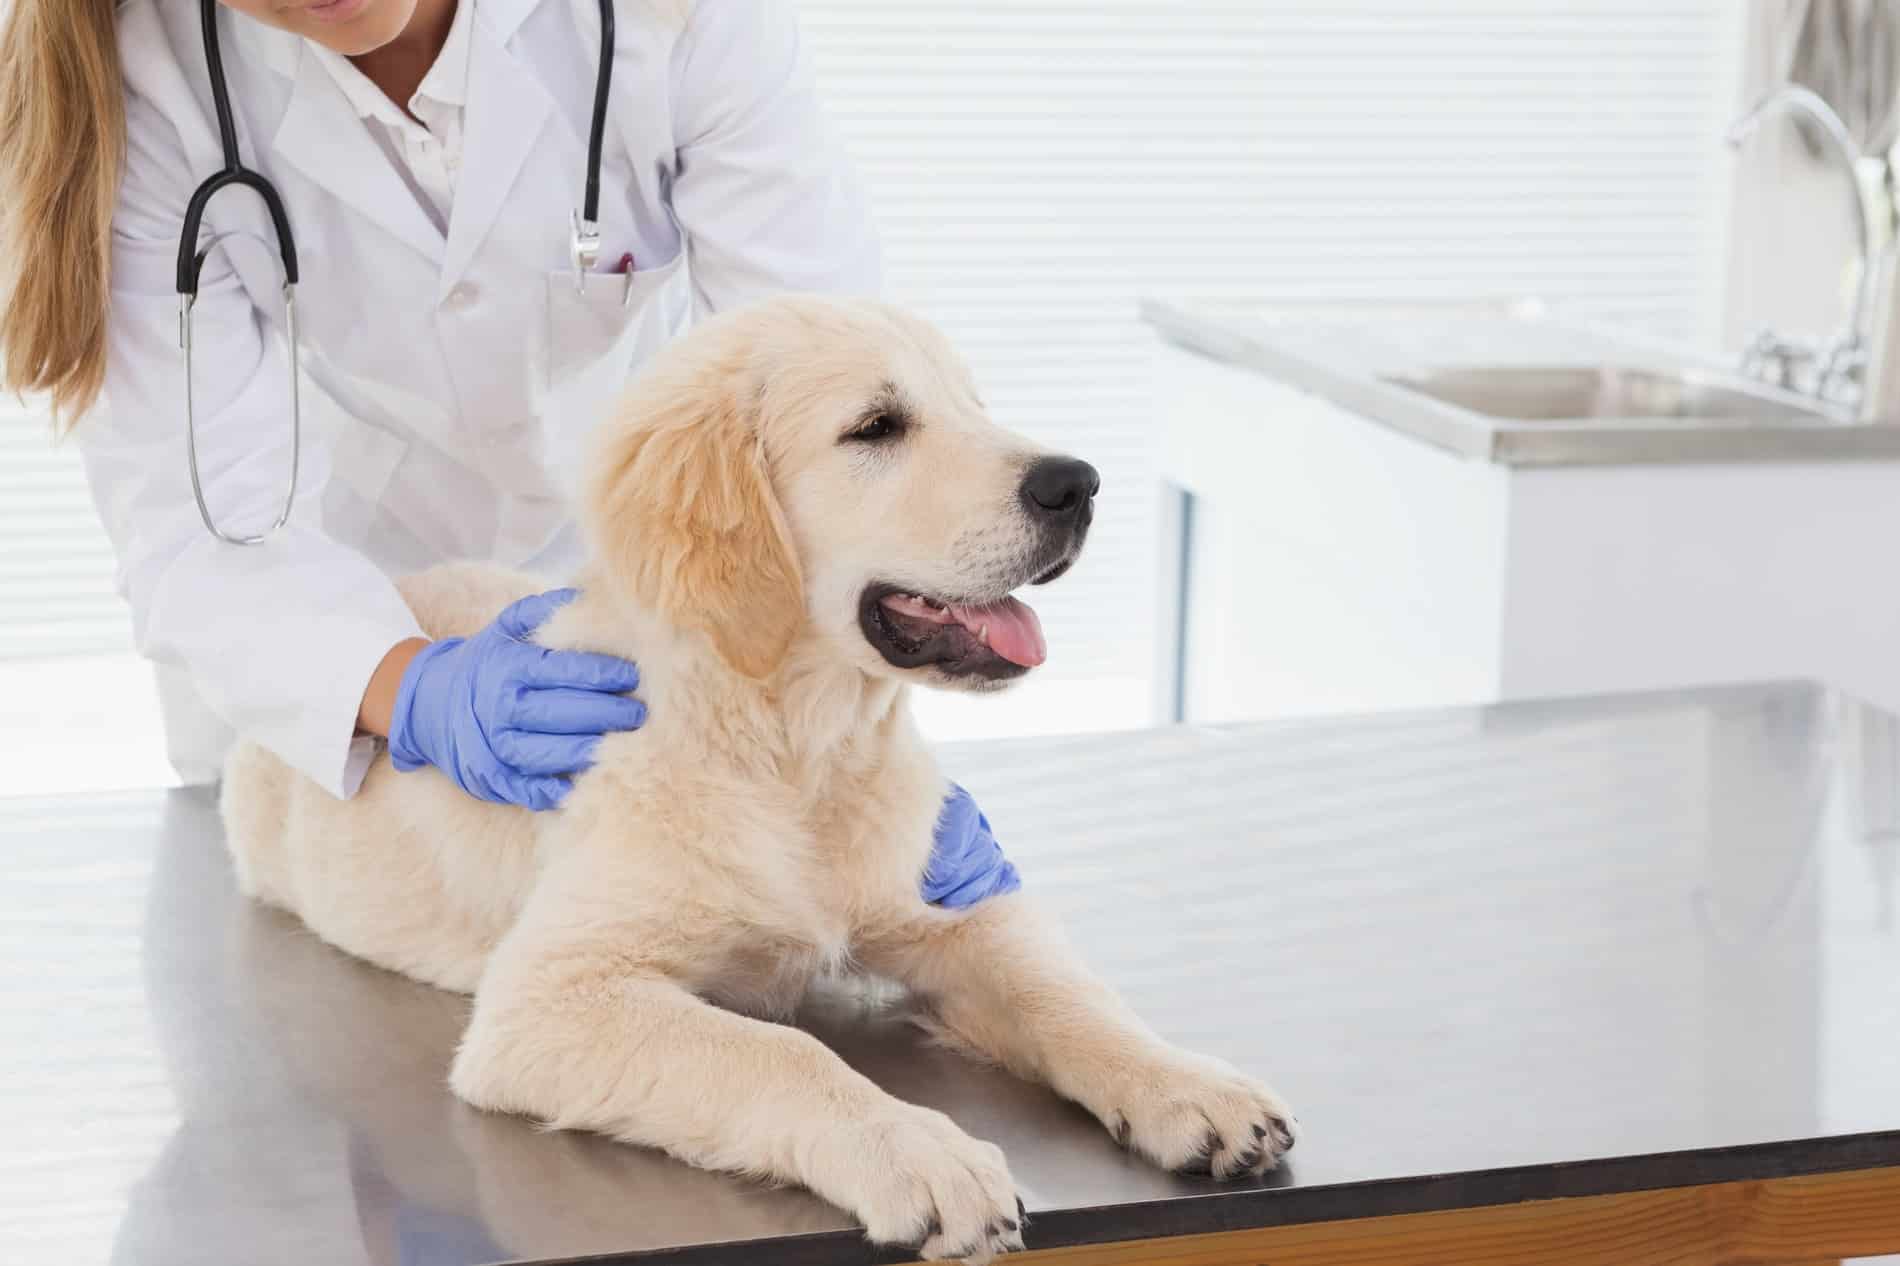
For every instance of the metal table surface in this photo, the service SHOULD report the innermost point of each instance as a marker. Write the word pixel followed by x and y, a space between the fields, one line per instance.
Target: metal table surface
pixel 1488 954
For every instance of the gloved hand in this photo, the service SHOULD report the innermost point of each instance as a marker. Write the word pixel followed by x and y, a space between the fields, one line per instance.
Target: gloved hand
pixel 966 863
pixel 506 720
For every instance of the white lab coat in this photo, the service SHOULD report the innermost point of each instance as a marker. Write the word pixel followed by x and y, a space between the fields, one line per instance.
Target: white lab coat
pixel 450 378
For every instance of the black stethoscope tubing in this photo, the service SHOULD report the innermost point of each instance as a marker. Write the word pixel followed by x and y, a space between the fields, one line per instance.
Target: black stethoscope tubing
pixel 191 260
pixel 583 249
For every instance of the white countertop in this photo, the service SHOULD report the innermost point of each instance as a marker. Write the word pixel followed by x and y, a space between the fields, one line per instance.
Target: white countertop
pixel 1346 357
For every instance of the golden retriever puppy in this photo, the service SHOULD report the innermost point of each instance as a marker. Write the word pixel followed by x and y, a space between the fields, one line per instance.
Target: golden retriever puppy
pixel 800 509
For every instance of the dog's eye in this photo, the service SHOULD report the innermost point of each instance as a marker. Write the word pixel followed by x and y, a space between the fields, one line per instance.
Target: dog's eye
pixel 877 428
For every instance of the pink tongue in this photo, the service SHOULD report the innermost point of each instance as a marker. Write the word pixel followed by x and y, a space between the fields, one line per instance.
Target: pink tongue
pixel 1015 632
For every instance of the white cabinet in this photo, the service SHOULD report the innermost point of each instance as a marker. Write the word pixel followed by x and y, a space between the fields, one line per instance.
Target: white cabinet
pixel 1332 563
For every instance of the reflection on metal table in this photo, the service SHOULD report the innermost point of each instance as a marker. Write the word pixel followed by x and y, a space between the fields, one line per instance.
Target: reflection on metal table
pixel 1576 975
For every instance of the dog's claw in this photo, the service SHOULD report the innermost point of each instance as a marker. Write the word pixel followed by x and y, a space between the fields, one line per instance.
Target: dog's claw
pixel 1202 1162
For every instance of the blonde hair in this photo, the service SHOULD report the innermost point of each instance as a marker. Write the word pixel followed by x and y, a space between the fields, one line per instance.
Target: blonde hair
pixel 62 138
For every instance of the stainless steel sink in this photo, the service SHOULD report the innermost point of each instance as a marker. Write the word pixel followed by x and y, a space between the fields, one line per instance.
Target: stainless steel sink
pixel 1575 394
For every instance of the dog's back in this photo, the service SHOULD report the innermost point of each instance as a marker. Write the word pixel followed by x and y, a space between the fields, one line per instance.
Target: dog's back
pixel 295 846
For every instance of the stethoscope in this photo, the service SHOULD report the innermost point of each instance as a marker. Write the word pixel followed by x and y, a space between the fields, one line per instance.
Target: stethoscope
pixel 583 247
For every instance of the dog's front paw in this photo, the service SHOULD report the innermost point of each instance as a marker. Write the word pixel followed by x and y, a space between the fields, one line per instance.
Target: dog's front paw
pixel 1198 1115
pixel 913 1178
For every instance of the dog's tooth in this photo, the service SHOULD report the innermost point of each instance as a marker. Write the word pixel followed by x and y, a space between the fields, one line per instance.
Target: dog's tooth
pixel 983 635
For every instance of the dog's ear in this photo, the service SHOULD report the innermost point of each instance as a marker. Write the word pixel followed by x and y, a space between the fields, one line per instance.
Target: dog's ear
pixel 683 514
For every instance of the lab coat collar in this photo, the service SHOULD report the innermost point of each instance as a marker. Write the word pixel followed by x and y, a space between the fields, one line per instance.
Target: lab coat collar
pixel 322 136
pixel 266 45
pixel 508 109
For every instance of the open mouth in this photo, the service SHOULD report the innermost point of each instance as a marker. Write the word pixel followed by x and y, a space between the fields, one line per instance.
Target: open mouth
pixel 995 639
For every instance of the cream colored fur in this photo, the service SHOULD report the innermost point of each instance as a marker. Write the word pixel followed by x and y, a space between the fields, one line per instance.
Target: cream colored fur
pixel 771 821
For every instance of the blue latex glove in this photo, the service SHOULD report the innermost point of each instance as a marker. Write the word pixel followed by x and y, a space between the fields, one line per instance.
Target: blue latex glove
pixel 966 863
pixel 506 720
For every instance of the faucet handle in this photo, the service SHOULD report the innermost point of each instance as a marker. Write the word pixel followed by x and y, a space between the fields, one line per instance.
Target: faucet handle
pixel 1841 370
pixel 1774 359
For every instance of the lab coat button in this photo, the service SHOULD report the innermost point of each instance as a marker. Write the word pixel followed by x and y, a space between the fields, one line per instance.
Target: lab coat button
pixel 462 296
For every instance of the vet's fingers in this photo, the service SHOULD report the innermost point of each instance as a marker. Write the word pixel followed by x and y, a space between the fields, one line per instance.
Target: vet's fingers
pixel 570 711
pixel 530 753
pixel 580 670
pixel 528 791
pixel 957 819
pixel 523 617
pixel 543 793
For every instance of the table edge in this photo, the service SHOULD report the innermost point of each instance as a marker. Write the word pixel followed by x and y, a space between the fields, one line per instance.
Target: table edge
pixel 1256 1207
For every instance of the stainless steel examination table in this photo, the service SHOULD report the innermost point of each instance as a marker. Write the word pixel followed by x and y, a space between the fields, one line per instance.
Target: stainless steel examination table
pixel 1607 980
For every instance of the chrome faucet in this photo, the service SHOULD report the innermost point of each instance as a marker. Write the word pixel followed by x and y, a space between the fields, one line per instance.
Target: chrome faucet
pixel 1834 371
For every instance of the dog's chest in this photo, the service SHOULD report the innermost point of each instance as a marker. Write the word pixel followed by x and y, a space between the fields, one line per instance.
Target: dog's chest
pixel 769 961
pixel 767 977
pixel 858 863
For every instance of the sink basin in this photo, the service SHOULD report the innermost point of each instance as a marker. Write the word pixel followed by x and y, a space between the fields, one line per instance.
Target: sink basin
pixel 1579 393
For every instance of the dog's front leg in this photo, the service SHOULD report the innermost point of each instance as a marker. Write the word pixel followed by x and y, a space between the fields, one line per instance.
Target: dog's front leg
pixel 1002 979
pixel 572 1026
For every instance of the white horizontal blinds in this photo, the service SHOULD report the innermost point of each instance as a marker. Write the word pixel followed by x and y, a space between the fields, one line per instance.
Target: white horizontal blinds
pixel 1037 165
pixel 56 586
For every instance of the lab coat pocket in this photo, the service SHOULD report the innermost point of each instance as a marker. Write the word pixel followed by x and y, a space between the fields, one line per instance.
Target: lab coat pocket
pixel 586 327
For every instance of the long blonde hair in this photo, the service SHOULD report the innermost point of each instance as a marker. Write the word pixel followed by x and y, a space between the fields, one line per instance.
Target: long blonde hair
pixel 62 138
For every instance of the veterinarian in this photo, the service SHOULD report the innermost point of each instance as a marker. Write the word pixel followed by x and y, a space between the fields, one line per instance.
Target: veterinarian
pixel 430 157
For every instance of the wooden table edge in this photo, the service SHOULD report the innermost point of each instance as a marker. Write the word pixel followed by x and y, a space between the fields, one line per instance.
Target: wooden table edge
pixel 1795 1221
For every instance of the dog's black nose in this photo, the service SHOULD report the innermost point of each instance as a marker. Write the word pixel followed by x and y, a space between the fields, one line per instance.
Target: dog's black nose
pixel 1060 485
